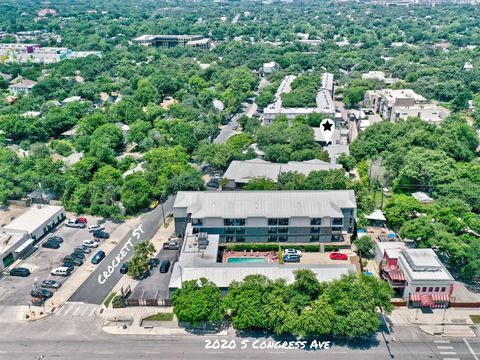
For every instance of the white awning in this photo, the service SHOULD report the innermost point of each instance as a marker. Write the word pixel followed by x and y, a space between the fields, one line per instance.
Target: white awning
pixel 24 246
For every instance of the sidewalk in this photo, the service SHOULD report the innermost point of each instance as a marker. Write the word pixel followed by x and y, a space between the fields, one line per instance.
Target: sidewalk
pixel 445 322
pixel 79 276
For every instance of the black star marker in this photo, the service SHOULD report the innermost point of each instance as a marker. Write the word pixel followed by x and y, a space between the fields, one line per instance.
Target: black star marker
pixel 327 126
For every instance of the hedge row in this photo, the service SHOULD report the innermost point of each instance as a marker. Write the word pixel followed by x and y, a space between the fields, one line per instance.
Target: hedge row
pixel 274 247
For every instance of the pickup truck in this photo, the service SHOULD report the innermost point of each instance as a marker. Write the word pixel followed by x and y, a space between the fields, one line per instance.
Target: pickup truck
pixel 75 224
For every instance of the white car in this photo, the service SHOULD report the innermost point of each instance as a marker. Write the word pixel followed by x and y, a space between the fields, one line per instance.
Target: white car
pixel 292 252
pixel 90 243
pixel 92 228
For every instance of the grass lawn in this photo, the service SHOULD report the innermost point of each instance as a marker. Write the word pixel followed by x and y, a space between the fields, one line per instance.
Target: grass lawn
pixel 475 319
pixel 160 317
pixel 109 299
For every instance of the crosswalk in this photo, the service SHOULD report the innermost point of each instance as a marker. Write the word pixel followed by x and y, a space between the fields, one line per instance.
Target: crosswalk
pixel 76 310
pixel 446 350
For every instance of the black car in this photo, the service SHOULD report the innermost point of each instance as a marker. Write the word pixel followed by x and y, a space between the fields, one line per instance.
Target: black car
pixel 23 272
pixel 165 266
pixel 69 264
pixel 100 234
pixel 81 250
pixel 42 293
pixel 124 268
pixel 51 245
pixel 99 256
pixel 55 238
pixel 215 183
pixel 69 258
pixel 73 260
pixel 78 254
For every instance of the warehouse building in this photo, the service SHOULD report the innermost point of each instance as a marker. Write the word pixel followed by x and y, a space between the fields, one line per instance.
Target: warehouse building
pixel 19 237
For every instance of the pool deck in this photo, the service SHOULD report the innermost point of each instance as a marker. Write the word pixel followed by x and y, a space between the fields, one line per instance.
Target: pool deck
pixel 271 256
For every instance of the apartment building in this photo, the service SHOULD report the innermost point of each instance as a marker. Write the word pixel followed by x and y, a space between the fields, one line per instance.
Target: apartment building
pixel 393 105
pixel 268 216
pixel 173 40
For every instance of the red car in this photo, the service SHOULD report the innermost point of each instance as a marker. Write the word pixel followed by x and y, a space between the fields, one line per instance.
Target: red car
pixel 81 220
pixel 338 256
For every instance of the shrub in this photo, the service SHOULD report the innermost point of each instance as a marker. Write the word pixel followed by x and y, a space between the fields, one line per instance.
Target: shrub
pixel 118 302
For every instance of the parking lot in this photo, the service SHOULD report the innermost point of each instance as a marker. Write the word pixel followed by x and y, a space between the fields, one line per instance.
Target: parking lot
pixel 16 290
pixel 156 285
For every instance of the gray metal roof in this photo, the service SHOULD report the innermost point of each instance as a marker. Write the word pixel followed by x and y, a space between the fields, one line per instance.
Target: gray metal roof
pixel 270 204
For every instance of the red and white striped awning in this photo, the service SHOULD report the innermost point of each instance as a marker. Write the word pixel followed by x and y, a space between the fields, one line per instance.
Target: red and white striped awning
pixel 426 300
pixel 396 275
pixel 414 297
pixel 438 306
pixel 441 297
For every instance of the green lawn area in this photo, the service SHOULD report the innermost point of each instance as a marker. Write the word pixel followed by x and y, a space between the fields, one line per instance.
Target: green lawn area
pixel 160 317
pixel 109 299
pixel 475 319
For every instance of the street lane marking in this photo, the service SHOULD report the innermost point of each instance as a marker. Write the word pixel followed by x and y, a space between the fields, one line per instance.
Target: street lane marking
pixel 448 353
pixel 445 347
pixel 442 342
pixel 451 358
pixel 92 312
pixel 68 310
pixel 470 348
pixel 76 311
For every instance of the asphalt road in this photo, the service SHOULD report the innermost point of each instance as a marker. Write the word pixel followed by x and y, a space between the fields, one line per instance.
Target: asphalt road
pixel 228 130
pixel 78 338
pixel 91 291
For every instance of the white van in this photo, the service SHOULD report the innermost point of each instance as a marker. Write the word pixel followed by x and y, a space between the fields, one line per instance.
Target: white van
pixel 61 271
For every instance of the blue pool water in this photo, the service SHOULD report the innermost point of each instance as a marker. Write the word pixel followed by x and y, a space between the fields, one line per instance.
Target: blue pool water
pixel 246 260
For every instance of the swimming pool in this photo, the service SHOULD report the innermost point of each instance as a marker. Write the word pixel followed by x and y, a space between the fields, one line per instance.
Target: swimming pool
pixel 237 260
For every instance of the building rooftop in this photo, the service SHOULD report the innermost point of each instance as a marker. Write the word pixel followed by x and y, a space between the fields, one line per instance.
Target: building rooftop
pixel 422 197
pixel 8 240
pixel 270 204
pixel 24 83
pixel 423 264
pixel 376 215
pixel 33 218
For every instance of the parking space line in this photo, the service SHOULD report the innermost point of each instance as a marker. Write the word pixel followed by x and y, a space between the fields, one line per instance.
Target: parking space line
pixel 470 348
pixel 68 310
pixel 442 342
pixel 448 353
pixel 451 358
pixel 76 311
pixel 445 347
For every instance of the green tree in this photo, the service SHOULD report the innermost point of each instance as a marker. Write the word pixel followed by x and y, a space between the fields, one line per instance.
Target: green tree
pixel 365 246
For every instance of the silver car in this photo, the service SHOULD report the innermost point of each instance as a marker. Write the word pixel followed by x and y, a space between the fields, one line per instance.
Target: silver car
pixel 50 284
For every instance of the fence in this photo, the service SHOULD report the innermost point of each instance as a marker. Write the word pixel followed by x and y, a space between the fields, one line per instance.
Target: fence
pixel 148 302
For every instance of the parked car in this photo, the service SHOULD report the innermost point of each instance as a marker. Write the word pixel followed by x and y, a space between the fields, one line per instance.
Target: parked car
pixel 55 238
pixel 44 293
pixel 74 224
pixel 338 256
pixel 23 272
pixel 75 262
pixel 86 249
pixel 171 245
pixel 70 265
pixel 51 284
pixel 215 183
pixel 51 245
pixel 292 252
pixel 291 258
pixel 90 243
pixel 165 266
pixel 62 271
pixel 81 219
pixel 99 256
pixel 82 250
pixel 124 268
pixel 95 227
pixel 154 262
pixel 100 234
pixel 78 254
pixel 69 258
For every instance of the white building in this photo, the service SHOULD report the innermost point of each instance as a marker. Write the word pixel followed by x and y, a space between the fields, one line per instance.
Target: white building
pixel 24 86
pixel 379 75
pixel 393 105
pixel 270 67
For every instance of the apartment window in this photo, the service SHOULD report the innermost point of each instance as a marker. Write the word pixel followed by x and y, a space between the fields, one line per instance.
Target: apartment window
pixel 272 238
pixel 351 212
pixel 283 230
pixel 240 222
pixel 197 222
pixel 272 230
pixel 229 230
pixel 316 221
pixel 336 229
pixel 283 221
pixel 430 289
pixel 337 221
pixel 417 289
pixel 315 230
pixel 228 222
pixel 229 239
pixel 436 289
pixel 272 222
pixel 314 238
pixel 240 230
pixel 240 238
pixel 283 238
pixel 350 220
pixel 424 289
pixel 443 289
